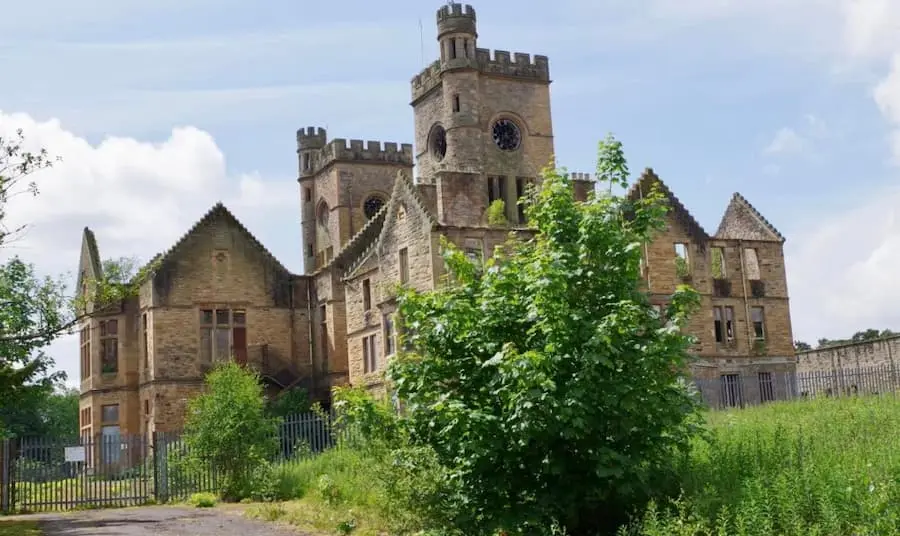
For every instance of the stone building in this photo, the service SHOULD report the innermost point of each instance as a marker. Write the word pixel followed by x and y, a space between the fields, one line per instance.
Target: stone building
pixel 483 131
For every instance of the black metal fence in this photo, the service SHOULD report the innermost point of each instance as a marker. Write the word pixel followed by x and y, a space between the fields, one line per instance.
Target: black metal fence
pixel 46 473
pixel 738 390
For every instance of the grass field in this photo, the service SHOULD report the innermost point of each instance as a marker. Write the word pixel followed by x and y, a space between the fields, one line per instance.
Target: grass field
pixel 818 467
pixel 828 467
pixel 19 528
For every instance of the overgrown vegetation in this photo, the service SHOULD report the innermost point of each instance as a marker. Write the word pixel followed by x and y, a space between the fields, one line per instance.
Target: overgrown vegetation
pixel 819 467
pixel 496 213
pixel 228 431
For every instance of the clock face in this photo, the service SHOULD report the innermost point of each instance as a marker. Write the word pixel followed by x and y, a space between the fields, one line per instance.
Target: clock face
pixel 438 142
pixel 506 135
pixel 372 205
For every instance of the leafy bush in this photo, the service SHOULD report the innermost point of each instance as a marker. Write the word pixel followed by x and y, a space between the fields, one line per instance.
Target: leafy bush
pixel 227 428
pixel 203 500
pixel 546 387
pixel 496 213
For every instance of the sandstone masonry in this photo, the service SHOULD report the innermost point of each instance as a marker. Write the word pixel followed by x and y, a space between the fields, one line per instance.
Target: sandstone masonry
pixel 482 132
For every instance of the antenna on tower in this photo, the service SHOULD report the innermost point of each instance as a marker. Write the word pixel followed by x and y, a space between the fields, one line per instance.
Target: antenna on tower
pixel 422 41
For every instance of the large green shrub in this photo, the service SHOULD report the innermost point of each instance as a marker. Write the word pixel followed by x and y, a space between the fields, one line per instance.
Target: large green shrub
pixel 546 386
pixel 228 429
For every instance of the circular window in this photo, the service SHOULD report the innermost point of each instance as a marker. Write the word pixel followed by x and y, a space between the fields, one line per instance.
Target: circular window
pixel 372 205
pixel 438 142
pixel 506 135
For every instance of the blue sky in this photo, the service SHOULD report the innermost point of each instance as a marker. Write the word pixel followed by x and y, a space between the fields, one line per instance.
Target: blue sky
pixel 162 108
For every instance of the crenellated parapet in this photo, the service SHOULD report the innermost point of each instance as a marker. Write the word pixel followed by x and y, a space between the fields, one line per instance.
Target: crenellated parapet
pixel 342 150
pixel 518 65
pixel 580 177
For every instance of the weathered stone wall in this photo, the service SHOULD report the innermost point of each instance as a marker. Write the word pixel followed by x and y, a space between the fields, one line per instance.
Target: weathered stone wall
pixel 861 355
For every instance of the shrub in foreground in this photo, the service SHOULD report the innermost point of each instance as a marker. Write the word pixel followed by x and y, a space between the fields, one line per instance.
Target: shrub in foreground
pixel 545 386
pixel 227 429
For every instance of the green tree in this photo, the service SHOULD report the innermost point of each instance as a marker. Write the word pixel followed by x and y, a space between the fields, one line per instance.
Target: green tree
pixel 801 346
pixel 228 430
pixel 290 402
pixel 35 310
pixel 547 386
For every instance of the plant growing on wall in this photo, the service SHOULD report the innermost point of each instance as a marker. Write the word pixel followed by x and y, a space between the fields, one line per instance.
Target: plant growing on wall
pixel 682 270
pixel 496 213
pixel 547 386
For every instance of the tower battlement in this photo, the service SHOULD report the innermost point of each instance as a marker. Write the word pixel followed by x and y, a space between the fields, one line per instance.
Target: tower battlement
pixel 456 18
pixel 311 138
pixel 518 65
pixel 585 177
pixel 342 150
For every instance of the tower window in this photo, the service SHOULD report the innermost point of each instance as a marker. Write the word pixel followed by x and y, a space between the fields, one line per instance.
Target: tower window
pixel 307 194
pixel 455 103
pixel 322 214
pixel 372 205
pixel 465 48
pixel 506 135
pixel 438 142
pixel 453 49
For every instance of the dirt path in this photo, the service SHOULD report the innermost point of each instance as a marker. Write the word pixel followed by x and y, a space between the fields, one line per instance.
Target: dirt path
pixel 157 521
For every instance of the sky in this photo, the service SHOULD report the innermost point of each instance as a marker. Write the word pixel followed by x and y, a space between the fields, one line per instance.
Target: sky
pixel 160 109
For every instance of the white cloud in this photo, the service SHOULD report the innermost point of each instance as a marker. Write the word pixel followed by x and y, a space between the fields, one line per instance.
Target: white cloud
pixel 842 270
pixel 138 196
pixel 786 140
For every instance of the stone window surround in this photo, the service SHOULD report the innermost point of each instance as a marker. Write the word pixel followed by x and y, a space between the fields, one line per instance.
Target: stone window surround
pixel 109 346
pixel 762 322
pixel 209 322
pixel 370 353
pixel 85 347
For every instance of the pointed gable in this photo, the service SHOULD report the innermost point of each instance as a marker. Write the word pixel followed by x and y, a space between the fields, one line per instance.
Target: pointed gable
pixel 405 194
pixel 743 222
pixel 217 212
pixel 644 185
pixel 89 265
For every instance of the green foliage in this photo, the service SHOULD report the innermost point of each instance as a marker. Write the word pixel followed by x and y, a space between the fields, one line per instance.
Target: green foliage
pixel 496 213
pixel 547 388
pixel 682 269
pixel 289 403
pixel 371 423
pixel 817 467
pixel 860 336
pixel 227 428
pixel 203 500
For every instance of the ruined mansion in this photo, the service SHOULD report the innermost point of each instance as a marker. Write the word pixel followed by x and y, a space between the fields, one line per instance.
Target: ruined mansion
pixel 482 132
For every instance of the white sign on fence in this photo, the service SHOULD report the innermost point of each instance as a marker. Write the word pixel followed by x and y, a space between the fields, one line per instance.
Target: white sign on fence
pixel 75 454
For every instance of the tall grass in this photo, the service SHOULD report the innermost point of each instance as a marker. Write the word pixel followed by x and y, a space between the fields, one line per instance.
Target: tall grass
pixel 819 467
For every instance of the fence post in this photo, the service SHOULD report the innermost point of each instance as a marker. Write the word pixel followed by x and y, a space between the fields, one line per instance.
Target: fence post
pixel 5 477
pixel 160 468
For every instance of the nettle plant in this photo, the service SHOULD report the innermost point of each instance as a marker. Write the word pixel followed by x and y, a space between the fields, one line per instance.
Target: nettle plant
pixel 550 391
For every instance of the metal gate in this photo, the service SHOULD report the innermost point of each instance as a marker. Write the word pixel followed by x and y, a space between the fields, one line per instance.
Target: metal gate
pixel 45 474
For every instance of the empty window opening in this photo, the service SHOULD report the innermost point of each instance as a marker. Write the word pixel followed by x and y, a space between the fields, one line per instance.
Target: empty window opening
pixel 718 262
pixel 453 49
pixel 367 294
pixel 759 323
pixel 307 194
pixel 404 265
pixel 751 262
pixel 465 48
pixel 682 259
pixel 455 103
pixel 520 198
pixel 370 356
pixel 389 338
pixel 323 336
pixel 724 324
pixel 496 189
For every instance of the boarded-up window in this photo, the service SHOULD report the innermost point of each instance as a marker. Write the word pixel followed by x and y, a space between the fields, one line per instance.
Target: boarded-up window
pixel 389 340
pixel 751 264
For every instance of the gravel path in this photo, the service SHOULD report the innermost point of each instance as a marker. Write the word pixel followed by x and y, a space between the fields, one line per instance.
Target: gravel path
pixel 158 521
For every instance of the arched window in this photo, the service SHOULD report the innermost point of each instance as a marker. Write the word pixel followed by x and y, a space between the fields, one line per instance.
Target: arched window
pixel 372 205
pixel 322 214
